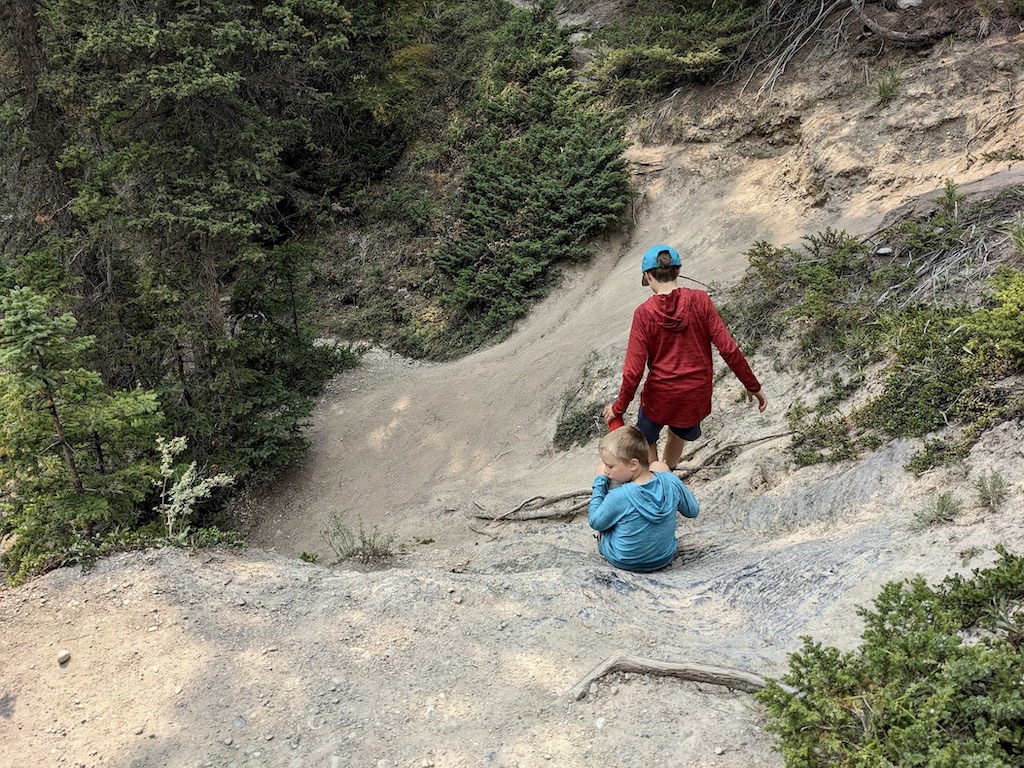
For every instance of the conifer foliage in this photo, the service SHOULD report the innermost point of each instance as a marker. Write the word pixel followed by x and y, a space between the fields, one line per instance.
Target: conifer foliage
pixel 545 175
pixel 76 456
pixel 185 150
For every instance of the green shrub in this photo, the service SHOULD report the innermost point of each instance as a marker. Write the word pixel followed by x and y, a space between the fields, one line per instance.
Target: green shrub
pixel 579 426
pixel 937 453
pixel 660 45
pixel 545 175
pixel 991 488
pixel 835 300
pixel 915 693
pixel 512 177
pixel 944 508
pixel 366 546
pixel 1001 324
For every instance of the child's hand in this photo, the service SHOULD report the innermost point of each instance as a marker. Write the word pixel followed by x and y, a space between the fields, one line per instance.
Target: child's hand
pixel 762 401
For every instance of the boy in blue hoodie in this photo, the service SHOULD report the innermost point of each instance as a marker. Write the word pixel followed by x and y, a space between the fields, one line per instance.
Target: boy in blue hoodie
pixel 634 504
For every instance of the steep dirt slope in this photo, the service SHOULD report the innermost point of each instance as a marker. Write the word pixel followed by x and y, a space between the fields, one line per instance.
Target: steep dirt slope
pixel 462 653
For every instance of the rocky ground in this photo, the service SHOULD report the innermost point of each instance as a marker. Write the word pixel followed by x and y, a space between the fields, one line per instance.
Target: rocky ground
pixel 464 650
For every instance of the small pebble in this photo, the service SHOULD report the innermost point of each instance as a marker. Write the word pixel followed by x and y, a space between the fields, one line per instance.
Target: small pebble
pixel 139 730
pixel 63 657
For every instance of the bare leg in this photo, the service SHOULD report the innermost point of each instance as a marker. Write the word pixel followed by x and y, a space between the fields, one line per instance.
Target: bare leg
pixel 673 449
pixel 652 453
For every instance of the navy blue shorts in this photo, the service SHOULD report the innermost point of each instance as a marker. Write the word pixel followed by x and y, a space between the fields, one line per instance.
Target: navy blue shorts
pixel 652 430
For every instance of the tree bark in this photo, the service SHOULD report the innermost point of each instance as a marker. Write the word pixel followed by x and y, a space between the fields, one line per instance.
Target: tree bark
pixel 69 455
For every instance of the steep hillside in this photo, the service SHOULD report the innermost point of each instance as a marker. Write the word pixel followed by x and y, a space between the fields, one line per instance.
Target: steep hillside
pixel 464 650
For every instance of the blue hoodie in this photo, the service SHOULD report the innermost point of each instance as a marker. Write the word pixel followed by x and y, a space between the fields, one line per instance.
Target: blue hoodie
pixel 638 522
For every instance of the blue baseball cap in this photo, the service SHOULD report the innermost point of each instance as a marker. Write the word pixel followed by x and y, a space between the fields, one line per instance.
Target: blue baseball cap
pixel 651 259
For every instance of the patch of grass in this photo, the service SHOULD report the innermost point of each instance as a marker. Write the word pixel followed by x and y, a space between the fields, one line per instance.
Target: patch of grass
pixel 887 85
pixel 309 557
pixel 991 488
pixel 371 546
pixel 944 508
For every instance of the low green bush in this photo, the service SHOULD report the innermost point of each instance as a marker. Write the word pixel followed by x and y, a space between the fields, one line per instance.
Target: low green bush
pixel 366 546
pixel 579 426
pixel 992 489
pixel 836 301
pixel 936 682
pixel 661 45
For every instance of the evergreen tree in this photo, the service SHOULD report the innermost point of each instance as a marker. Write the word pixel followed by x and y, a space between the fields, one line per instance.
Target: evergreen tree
pixel 197 138
pixel 545 175
pixel 76 457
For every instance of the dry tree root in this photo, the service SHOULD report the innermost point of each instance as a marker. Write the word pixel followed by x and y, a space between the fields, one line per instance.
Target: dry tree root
pixel 528 507
pixel 721 455
pixel 903 38
pixel 539 502
pixel 622 661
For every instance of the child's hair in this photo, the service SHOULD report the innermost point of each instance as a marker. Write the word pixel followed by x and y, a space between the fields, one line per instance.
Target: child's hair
pixel 626 444
pixel 665 272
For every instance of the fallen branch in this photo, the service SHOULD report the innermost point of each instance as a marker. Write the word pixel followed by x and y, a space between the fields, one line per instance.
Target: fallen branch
pixel 621 661
pixel 538 502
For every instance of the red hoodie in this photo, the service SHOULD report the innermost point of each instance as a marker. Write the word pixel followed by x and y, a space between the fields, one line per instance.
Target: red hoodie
pixel 672 335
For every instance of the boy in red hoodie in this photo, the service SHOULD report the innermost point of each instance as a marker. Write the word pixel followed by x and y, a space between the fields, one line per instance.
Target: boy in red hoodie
pixel 671 337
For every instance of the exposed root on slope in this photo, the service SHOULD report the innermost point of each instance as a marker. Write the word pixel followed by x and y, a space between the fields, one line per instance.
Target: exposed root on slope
pixel 623 661
pixel 903 38
pixel 526 509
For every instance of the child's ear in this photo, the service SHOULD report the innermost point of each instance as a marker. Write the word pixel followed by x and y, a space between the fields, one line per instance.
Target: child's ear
pixel 634 465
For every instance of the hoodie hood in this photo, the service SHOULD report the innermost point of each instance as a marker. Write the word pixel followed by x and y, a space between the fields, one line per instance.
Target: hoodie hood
pixel 671 309
pixel 654 500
